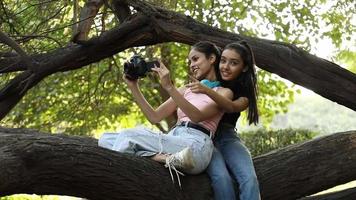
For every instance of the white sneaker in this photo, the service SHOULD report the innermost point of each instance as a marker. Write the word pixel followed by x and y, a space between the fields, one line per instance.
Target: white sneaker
pixel 181 160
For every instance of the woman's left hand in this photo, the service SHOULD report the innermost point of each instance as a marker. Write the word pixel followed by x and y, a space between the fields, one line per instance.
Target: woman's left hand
pixel 164 75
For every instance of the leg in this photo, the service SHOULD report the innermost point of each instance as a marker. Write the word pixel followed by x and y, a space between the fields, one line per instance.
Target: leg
pixel 107 140
pixel 200 145
pixel 220 177
pixel 143 142
pixel 239 162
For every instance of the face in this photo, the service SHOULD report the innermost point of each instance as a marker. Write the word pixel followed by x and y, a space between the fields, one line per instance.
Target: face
pixel 201 66
pixel 231 65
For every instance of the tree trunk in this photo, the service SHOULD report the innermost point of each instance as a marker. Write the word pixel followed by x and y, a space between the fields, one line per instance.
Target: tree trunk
pixel 152 25
pixel 33 162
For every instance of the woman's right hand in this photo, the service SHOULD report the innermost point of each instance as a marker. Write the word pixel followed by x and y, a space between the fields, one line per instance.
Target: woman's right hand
pixel 164 76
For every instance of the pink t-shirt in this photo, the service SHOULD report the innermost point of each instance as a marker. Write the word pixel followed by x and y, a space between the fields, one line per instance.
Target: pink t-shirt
pixel 200 101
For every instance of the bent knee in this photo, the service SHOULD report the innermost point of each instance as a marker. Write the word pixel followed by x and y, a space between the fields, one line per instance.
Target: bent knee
pixel 107 140
pixel 250 179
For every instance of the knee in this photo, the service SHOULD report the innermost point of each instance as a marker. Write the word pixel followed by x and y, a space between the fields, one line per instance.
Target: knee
pixel 106 140
pixel 110 140
pixel 124 143
pixel 249 180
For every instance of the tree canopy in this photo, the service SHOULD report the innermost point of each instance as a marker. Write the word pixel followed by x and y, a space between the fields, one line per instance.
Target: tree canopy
pixel 95 98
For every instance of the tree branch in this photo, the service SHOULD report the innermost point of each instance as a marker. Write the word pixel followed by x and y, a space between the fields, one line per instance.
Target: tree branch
pixel 87 14
pixel 33 162
pixel 121 10
pixel 6 40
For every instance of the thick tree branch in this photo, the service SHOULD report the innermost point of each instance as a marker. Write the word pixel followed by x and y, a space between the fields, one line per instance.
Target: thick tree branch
pixel 33 162
pixel 76 166
pixel 307 168
pixel 73 57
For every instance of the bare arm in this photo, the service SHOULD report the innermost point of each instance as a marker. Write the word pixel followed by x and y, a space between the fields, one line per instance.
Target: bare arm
pixel 153 115
pixel 223 102
pixel 189 109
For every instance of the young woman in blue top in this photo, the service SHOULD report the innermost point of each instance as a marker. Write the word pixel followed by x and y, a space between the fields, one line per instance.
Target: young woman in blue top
pixel 230 155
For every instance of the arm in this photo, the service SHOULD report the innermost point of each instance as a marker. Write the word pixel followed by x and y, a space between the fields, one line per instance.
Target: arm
pixel 189 109
pixel 227 104
pixel 153 115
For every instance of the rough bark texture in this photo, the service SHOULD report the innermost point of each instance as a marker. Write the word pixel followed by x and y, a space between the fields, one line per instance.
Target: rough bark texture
pixel 33 162
pixel 152 25
pixel 308 168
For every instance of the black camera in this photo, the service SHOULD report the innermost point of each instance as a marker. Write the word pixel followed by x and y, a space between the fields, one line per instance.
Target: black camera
pixel 137 67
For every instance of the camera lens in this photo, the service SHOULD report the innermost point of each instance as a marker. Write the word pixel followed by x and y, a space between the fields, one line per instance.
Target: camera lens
pixel 129 71
pixel 127 66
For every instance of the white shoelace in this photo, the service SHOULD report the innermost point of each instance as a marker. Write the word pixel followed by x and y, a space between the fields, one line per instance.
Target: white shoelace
pixel 172 167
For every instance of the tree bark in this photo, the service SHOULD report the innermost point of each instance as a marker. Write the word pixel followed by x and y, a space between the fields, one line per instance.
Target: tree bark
pixel 33 162
pixel 305 169
pixel 152 25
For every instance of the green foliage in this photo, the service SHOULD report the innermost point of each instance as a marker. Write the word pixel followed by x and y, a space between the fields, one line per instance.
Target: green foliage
pixel 262 141
pixel 94 98
pixel 348 58
pixel 274 96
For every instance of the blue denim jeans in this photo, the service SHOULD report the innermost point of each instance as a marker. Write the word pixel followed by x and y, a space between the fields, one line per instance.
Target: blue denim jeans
pixel 142 141
pixel 230 161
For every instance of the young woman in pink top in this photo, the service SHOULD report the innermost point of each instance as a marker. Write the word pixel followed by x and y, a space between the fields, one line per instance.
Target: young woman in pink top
pixel 187 146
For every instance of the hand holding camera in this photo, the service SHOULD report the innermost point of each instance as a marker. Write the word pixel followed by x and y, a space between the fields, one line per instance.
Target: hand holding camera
pixel 137 67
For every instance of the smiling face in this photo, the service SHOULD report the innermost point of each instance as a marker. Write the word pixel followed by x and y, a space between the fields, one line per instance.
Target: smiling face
pixel 231 65
pixel 201 66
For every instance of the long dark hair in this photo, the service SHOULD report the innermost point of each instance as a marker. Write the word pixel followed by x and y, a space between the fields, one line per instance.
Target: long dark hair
pixel 247 79
pixel 208 49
